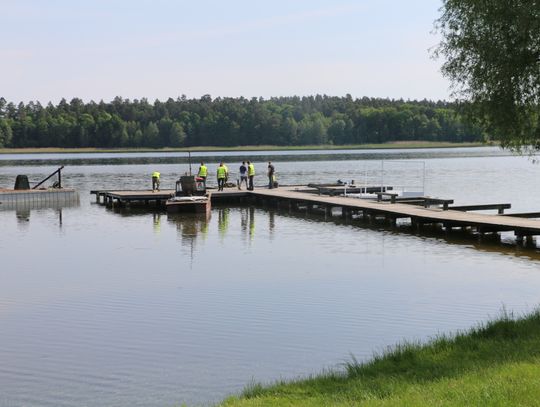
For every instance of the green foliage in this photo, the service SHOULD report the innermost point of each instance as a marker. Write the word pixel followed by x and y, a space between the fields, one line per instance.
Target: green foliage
pixel 223 122
pixel 6 134
pixel 492 53
pixel 495 364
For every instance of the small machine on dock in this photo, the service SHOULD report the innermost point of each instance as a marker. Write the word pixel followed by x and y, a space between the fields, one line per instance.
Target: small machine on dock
pixel 190 196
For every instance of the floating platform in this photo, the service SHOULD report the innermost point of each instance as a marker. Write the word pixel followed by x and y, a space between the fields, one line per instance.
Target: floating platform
pixel 123 197
pixel 38 198
pixel 157 198
pixel 187 204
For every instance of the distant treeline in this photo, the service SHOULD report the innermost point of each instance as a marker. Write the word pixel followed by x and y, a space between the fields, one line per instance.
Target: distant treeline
pixel 186 122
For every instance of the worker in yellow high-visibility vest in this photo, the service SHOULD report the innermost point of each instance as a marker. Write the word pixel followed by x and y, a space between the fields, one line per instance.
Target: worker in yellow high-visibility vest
pixel 155 181
pixel 251 174
pixel 203 172
pixel 221 175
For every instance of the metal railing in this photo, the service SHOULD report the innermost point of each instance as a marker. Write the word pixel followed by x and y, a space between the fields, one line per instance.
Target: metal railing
pixel 406 177
pixel 57 184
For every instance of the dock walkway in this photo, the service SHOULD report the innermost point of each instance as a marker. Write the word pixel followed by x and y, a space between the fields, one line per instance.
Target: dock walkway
pixel 302 196
pixel 418 215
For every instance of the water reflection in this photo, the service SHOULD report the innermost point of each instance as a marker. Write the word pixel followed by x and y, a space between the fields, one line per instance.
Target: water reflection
pixel 247 223
pixel 190 225
pixel 223 221
pixel 503 243
pixel 23 216
pixel 191 228
pixel 271 223
pixel 156 216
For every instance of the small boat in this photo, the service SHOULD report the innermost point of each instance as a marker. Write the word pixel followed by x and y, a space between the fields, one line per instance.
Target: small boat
pixel 190 196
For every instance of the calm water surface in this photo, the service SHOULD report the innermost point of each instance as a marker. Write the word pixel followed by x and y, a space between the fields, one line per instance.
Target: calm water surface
pixel 135 308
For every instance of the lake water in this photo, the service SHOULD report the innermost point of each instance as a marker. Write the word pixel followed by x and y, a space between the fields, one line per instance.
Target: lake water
pixel 135 308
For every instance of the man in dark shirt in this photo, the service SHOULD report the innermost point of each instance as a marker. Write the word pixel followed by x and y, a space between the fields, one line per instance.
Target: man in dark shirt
pixel 270 175
pixel 243 175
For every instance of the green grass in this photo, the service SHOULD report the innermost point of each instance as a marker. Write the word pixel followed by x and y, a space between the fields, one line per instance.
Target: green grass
pixel 497 364
pixel 390 145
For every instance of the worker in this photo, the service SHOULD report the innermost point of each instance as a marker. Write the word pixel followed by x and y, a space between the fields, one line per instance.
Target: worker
pixel 251 174
pixel 155 181
pixel 203 172
pixel 271 171
pixel 221 175
pixel 243 176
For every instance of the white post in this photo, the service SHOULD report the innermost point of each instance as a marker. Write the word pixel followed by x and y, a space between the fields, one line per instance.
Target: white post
pixel 424 178
pixel 382 175
pixel 365 179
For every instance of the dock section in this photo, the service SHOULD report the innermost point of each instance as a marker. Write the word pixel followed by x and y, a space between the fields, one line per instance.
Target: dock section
pixel 156 198
pixel 418 210
pixel 418 215
pixel 127 197
pixel 38 198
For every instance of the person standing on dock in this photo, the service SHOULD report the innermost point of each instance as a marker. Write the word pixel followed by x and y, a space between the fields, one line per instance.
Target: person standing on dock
pixel 271 171
pixel 155 181
pixel 221 175
pixel 243 175
pixel 203 172
pixel 251 174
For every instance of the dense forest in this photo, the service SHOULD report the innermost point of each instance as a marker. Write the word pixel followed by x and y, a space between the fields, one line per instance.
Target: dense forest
pixel 186 122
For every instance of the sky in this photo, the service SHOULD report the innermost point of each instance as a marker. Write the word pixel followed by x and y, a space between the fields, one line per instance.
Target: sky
pixel 100 49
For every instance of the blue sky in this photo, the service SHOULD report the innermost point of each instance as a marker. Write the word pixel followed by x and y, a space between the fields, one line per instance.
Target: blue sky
pixel 163 48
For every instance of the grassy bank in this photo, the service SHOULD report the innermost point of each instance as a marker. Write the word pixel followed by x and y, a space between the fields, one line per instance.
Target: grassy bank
pixel 497 364
pixel 392 145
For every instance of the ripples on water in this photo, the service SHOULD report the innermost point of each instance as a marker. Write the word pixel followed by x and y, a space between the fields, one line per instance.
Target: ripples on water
pixel 102 307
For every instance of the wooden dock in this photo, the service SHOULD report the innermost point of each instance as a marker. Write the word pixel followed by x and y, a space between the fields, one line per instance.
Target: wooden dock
pixel 420 210
pixel 126 197
pixel 418 215
pixel 157 198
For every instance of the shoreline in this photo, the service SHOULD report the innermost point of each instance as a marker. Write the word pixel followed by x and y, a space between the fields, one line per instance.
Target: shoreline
pixel 494 363
pixel 389 146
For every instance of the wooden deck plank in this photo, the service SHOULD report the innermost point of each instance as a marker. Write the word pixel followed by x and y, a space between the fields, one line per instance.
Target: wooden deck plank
pixel 142 194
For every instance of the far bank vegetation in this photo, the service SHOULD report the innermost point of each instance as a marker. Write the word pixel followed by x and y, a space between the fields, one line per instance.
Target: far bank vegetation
pixel 225 122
